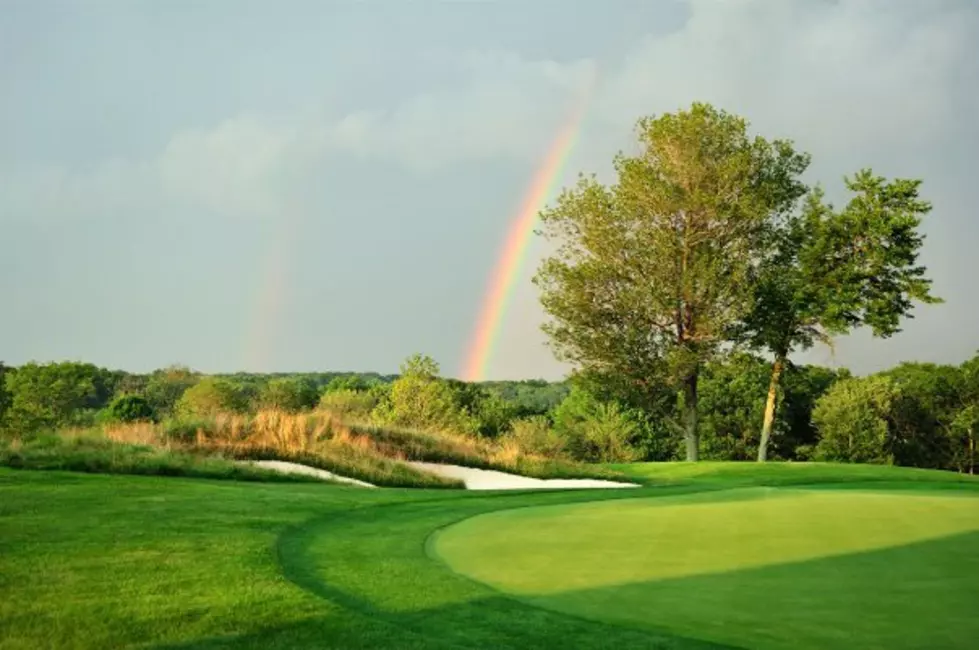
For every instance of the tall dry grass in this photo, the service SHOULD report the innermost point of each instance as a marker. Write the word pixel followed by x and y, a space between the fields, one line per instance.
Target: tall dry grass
pixel 318 439
pixel 358 449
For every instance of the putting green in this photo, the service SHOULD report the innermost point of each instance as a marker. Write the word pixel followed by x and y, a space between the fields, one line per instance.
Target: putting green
pixel 768 568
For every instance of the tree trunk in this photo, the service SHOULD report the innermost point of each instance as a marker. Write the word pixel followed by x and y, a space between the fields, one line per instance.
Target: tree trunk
pixel 972 453
pixel 690 417
pixel 766 427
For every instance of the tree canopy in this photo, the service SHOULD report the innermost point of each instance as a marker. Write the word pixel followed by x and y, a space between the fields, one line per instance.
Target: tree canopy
pixel 652 271
pixel 828 271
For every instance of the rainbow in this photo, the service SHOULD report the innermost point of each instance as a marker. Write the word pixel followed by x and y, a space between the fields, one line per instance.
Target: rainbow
pixel 514 251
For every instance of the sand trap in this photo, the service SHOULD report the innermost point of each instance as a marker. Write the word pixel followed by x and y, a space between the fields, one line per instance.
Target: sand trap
pixel 296 468
pixel 486 479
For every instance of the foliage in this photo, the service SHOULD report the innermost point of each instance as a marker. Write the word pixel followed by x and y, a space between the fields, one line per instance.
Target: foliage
pixel 652 272
pixel 965 426
pixel 528 397
pixel 419 398
pixel 595 430
pixel 922 417
pixel 210 396
pixel 45 396
pixel 130 408
pixel 917 414
pixel 730 398
pixel 347 383
pixel 536 435
pixel 290 395
pixel 494 415
pixel 165 387
pixel 351 404
pixel 828 272
pixel 490 414
pixel 801 387
pixel 852 418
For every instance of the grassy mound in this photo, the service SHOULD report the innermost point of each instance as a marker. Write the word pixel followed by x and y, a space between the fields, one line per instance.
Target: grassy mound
pixel 102 456
pixel 504 455
pixel 370 453
pixel 95 561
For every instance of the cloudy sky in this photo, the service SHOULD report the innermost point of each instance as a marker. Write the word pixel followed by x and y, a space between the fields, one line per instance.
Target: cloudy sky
pixel 300 185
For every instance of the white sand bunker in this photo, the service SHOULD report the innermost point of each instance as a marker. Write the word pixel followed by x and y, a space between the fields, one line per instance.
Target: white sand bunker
pixel 296 468
pixel 486 479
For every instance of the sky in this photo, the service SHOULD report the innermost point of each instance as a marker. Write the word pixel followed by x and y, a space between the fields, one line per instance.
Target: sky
pixel 326 185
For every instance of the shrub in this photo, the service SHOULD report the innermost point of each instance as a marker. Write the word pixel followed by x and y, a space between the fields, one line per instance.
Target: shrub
pixel 852 421
pixel 290 395
pixel 420 399
pixel 130 408
pixel 165 387
pixel 210 396
pixel 609 434
pixel 535 435
pixel 350 404
pixel 597 431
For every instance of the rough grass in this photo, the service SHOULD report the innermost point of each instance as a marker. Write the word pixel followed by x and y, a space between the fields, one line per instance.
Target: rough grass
pixel 371 453
pixel 99 455
pixel 504 455
pixel 89 561
pixel 314 439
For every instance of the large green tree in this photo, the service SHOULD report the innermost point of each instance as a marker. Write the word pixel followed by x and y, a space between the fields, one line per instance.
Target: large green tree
pixel 652 271
pixel 50 395
pixel 828 271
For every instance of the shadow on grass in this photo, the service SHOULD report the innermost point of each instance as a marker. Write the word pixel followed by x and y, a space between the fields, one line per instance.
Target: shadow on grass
pixel 493 622
pixel 920 595
pixel 381 590
pixel 371 566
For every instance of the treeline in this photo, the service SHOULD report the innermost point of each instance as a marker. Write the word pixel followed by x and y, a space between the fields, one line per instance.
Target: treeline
pixel 917 414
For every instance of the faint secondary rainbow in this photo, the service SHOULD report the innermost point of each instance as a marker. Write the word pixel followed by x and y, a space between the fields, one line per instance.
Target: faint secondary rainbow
pixel 514 252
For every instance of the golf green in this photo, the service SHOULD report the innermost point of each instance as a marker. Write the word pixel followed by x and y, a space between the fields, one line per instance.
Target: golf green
pixel 757 567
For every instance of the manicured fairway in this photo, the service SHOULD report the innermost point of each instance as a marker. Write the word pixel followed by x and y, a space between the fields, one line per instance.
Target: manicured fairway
pixel 90 561
pixel 756 567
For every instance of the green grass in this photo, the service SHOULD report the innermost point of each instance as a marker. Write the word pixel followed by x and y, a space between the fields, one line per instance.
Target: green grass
pixel 823 563
pixel 730 474
pixel 99 561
